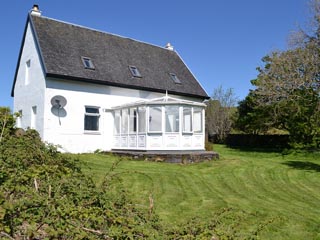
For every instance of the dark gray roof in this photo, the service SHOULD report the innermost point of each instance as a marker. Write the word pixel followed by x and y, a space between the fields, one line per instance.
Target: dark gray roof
pixel 62 45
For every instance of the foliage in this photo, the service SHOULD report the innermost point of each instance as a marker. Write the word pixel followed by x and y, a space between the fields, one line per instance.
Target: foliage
pixel 251 118
pixel 7 122
pixel 44 194
pixel 220 112
pixel 287 91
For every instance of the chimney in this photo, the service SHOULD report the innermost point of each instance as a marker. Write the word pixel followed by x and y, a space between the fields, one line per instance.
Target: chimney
pixel 169 47
pixel 35 11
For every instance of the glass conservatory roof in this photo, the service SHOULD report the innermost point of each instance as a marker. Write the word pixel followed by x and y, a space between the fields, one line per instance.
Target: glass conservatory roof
pixel 160 101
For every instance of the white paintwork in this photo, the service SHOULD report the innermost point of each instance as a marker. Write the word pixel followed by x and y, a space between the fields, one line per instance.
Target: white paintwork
pixel 66 126
pixel 30 93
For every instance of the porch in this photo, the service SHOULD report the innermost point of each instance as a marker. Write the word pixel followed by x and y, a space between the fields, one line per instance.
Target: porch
pixel 160 124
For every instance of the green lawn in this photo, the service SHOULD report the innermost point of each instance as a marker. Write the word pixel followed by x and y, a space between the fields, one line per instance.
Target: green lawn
pixel 277 194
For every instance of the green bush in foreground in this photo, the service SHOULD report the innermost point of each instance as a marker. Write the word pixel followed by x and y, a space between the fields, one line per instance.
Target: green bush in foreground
pixel 44 194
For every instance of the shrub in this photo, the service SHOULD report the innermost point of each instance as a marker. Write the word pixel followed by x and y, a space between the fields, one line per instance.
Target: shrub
pixel 44 194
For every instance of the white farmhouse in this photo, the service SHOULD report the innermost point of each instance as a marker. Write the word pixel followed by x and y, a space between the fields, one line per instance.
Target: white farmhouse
pixel 85 90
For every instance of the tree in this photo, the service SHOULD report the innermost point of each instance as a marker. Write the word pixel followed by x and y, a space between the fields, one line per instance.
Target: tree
pixel 7 122
pixel 289 85
pixel 252 118
pixel 219 113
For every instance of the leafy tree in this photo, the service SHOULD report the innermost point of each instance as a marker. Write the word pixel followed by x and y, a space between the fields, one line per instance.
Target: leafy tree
pixel 287 88
pixel 252 118
pixel 219 113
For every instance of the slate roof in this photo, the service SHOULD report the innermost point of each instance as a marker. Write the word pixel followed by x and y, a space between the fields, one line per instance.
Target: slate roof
pixel 61 46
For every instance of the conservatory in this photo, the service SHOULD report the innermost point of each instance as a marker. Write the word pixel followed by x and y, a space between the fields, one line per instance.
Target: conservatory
pixel 159 124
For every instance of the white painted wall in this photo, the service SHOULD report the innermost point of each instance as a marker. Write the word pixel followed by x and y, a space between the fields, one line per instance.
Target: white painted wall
pixel 30 86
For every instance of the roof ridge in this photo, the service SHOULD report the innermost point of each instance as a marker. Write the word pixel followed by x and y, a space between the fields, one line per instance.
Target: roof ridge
pixel 104 32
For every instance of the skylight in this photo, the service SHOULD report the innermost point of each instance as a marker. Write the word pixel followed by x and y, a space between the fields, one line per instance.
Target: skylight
pixel 175 78
pixel 134 71
pixel 87 63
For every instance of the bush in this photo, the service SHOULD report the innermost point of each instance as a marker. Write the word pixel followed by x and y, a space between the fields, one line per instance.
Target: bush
pixel 44 194
pixel 258 141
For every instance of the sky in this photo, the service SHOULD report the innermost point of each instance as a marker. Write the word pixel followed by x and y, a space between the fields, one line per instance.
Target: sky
pixel 221 41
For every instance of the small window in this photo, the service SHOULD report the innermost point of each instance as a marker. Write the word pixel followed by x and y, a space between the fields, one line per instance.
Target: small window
pixel 27 77
pixel 91 119
pixel 33 117
pixel 134 71
pixel 175 78
pixel 87 63
pixel 19 118
pixel 132 120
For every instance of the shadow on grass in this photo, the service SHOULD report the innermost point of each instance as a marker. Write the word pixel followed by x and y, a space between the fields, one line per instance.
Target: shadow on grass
pixel 303 165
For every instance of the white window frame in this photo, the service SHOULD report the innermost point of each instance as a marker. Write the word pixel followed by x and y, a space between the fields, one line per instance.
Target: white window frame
pixel 133 120
pixel 87 63
pixel 194 121
pixel 150 119
pixel 93 115
pixel 167 119
pixel 142 118
pixel 135 71
pixel 117 122
pixel 124 125
pixel 183 120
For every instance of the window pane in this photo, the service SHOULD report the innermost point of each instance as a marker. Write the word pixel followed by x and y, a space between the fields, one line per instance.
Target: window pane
pixel 91 123
pixel 91 119
pixel 124 121
pixel 197 120
pixel 133 120
pixel 92 110
pixel 142 119
pixel 187 119
pixel 172 118
pixel 117 122
pixel 155 119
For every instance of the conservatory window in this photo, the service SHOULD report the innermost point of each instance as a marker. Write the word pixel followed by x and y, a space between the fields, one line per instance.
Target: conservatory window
pixel 133 120
pixel 155 119
pixel 124 121
pixel 91 119
pixel 172 118
pixel 117 122
pixel 187 120
pixel 197 120
pixel 142 119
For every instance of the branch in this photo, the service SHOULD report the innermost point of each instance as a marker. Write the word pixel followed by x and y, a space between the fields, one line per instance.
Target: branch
pixel 3 234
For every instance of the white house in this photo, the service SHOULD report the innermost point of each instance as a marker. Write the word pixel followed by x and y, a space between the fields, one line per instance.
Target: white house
pixel 85 90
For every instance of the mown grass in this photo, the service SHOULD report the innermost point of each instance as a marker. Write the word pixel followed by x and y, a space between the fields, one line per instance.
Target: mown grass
pixel 278 194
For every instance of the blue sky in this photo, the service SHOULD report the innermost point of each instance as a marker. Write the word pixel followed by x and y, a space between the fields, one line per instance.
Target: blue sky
pixel 221 41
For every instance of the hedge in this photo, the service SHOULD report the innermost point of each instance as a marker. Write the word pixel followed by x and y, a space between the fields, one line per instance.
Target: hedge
pixel 257 141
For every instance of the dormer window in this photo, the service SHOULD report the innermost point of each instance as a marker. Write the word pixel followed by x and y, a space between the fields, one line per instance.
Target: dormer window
pixel 134 71
pixel 175 78
pixel 87 63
